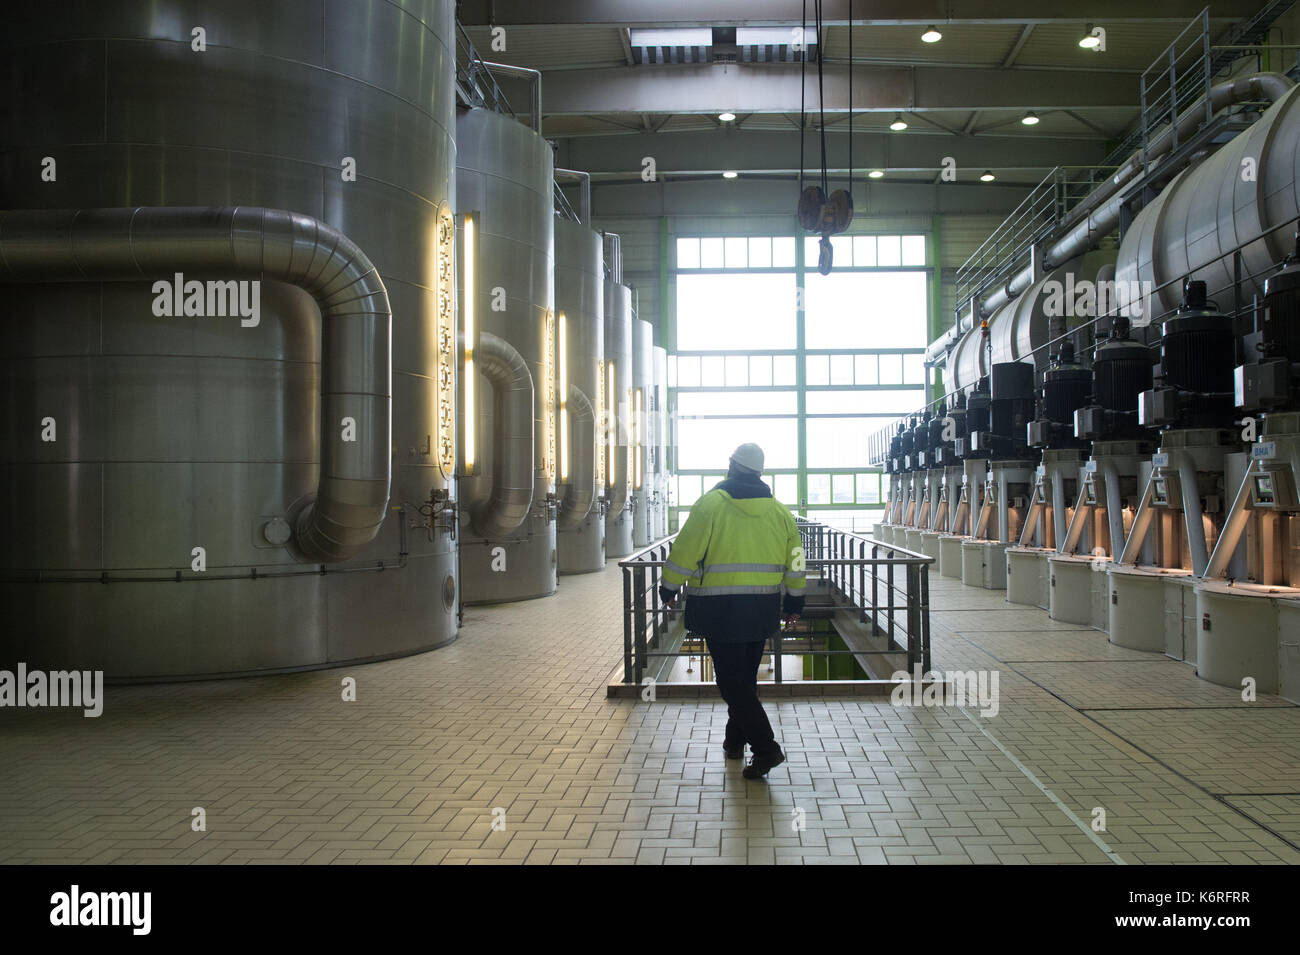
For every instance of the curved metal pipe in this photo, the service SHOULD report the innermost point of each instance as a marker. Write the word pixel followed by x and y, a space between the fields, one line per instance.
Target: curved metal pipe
pixel 580 493
pixel 512 452
pixel 583 179
pixel 131 244
pixel 534 78
pixel 1097 215
pixel 614 255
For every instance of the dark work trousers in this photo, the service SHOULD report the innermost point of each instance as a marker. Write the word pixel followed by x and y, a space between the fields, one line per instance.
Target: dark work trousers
pixel 735 668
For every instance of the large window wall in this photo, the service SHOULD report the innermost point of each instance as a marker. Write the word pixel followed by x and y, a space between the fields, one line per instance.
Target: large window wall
pixel 808 384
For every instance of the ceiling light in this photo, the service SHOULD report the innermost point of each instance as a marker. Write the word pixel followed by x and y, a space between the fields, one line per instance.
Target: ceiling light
pixel 729 174
pixel 875 173
pixel 1090 40
pixel 988 176
pixel 1029 119
pixel 899 124
pixel 931 35
pixel 726 117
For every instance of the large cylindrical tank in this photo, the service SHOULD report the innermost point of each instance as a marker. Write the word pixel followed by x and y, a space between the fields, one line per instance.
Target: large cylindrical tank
pixel 580 305
pixel 618 400
pixel 1021 329
pixel 1231 198
pixel 505 182
pixel 185 447
pixel 643 382
pixel 661 443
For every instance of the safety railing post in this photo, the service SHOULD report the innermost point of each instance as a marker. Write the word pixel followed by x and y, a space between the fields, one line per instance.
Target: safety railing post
pixel 925 617
pixel 638 610
pixel 875 590
pixel 913 616
pixel 628 675
pixel 889 599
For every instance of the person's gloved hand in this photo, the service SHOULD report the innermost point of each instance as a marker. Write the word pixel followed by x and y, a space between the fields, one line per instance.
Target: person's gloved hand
pixel 789 619
pixel 669 598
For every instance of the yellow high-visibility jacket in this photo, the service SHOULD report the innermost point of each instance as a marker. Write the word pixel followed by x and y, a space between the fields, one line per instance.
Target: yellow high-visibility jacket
pixel 737 549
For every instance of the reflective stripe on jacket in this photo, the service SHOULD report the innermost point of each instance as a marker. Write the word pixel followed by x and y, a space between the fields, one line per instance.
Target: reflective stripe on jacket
pixel 733 547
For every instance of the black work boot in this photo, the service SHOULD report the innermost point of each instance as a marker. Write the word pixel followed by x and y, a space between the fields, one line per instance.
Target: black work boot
pixel 763 763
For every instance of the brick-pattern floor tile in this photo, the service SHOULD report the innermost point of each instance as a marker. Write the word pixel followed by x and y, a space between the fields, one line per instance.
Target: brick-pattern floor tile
pixel 504 749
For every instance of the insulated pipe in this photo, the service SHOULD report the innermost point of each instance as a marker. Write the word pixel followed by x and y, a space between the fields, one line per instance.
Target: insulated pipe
pixel 580 493
pixel 133 244
pixel 1097 215
pixel 512 448
pixel 583 179
pixel 1259 86
pixel 614 256
pixel 534 78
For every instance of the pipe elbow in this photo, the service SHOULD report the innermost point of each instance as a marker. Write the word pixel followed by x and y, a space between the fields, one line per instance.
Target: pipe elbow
pixel 579 495
pixel 511 496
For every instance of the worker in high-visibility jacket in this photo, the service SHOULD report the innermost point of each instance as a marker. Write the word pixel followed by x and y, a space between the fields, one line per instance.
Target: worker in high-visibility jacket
pixel 739 552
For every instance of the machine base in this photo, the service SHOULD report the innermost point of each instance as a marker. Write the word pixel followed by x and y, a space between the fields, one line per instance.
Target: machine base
pixel 1249 631
pixel 1078 590
pixel 1027 576
pixel 984 564
pixel 950 555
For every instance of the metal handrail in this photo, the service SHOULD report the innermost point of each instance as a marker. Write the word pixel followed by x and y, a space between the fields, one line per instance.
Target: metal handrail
pixel 856 576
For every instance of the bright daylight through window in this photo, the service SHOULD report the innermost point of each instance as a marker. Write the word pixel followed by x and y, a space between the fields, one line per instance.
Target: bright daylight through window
pixel 748 363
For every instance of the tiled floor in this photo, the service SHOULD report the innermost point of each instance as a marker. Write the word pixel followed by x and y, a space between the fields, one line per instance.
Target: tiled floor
pixel 514 717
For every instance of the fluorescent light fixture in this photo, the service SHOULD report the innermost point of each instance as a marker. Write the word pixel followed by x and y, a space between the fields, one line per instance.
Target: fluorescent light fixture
pixel 1090 40
pixel 600 418
pixel 729 174
pixel 611 436
pixel 674 36
pixel 876 173
pixel 564 399
pixel 636 439
pixel 988 176
pixel 899 124
pixel 727 117
pixel 931 35
pixel 1030 118
pixel 467 297
pixel 773 36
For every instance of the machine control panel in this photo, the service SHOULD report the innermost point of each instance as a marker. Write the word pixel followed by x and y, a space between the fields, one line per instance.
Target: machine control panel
pixel 1273 490
pixel 1166 491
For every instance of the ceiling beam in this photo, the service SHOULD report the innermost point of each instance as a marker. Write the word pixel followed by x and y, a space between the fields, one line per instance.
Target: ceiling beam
pixel 1019 45
pixel 693 151
pixel 699 13
pixel 1093 126
pixel 776 88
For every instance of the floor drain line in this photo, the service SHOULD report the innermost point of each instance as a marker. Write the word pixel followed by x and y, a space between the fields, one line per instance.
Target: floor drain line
pixel 1083 826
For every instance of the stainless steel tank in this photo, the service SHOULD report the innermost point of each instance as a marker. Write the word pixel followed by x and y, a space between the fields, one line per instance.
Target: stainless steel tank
pixel 1019 330
pixel 643 380
pixel 1230 198
pixel 580 306
pixel 188 515
pixel 618 403
pixel 660 443
pixel 504 183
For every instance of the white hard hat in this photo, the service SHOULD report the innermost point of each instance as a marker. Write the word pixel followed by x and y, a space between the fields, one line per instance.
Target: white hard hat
pixel 749 456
